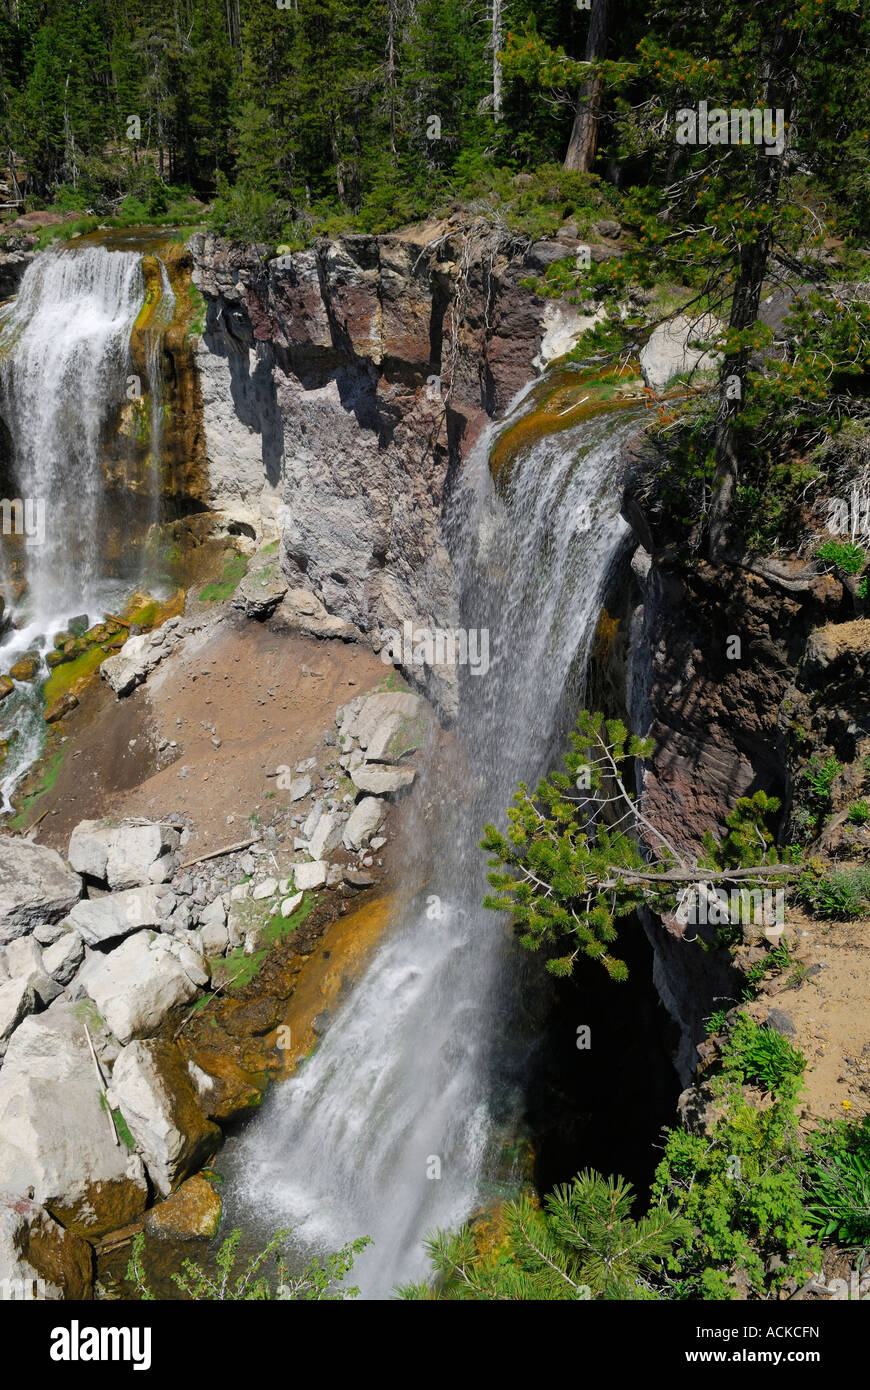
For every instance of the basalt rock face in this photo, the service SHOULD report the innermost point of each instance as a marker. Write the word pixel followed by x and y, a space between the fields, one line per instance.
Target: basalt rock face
pixel 341 388
pixel 718 656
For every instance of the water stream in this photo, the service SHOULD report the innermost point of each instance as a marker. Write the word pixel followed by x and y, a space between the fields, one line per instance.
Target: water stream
pixel 65 369
pixel 393 1126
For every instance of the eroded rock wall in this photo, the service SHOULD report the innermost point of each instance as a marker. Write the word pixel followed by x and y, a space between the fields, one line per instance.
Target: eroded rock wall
pixel 341 388
pixel 717 656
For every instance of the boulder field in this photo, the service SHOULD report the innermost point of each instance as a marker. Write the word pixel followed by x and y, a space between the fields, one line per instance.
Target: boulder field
pixel 109 1105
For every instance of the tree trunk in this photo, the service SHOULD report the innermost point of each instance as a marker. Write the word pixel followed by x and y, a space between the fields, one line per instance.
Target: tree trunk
pixel 336 155
pixel 754 257
pixel 497 16
pixel 583 143
pixel 391 70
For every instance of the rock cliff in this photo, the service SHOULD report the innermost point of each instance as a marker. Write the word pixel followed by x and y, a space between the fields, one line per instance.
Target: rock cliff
pixel 723 676
pixel 341 388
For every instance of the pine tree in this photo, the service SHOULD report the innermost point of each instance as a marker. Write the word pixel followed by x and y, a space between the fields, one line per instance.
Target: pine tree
pixel 579 853
pixel 583 1244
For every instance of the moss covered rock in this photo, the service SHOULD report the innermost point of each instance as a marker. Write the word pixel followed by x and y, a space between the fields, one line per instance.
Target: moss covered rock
pixel 191 1213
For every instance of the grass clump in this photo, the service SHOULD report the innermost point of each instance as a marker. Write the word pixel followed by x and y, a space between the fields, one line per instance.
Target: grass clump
pixel 842 894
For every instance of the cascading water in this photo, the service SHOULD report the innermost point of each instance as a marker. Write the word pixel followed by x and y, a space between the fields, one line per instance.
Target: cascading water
pixel 65 365
pixel 64 361
pixel 389 1129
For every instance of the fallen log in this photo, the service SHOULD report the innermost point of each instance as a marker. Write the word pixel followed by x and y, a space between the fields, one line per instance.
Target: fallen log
pixel 217 853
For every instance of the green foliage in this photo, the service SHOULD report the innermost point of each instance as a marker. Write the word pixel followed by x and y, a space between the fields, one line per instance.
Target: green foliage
pixel 842 894
pixel 716 1022
pixel 739 1189
pixel 779 958
pixel 318 1281
pixel 859 812
pixel 760 1056
pixel 838 1181
pixel 570 863
pixel 246 213
pixel 846 557
pixel 820 775
pixel 583 1244
pixel 560 870
pixel 749 841
pixel 739 1184
pixel 707 217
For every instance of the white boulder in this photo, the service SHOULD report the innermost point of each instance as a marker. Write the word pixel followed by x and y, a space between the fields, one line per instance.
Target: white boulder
pixel 153 1089
pixel 364 820
pixel 137 985
pixel 117 914
pixel 35 886
pixel 54 1133
pixel 310 875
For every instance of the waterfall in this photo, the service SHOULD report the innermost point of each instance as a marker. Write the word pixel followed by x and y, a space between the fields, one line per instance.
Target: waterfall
pixel 66 371
pixel 387 1130
pixel 64 360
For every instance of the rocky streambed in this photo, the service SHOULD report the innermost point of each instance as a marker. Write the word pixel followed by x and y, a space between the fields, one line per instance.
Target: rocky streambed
pixel 154 982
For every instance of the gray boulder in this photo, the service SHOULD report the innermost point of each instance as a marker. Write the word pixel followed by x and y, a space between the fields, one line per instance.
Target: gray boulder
pixel 28 986
pixel 62 960
pixel 134 850
pixel 136 986
pixel 391 723
pixel 154 1091
pixel 260 591
pixel 326 837
pixel 124 856
pixel 54 1133
pixel 380 779
pixel 364 820
pixel 17 1000
pixel 35 887
pixel 89 848
pixel 117 914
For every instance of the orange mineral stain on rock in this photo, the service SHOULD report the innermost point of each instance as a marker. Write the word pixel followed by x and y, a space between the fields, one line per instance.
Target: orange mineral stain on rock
pixel 342 954
pixel 562 399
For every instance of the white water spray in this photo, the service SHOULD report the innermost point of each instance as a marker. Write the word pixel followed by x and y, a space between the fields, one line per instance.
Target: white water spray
pixel 65 364
pixel 64 361
pixel 388 1129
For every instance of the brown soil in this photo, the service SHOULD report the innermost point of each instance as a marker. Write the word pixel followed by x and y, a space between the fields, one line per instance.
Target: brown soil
pixel 829 1011
pixel 269 697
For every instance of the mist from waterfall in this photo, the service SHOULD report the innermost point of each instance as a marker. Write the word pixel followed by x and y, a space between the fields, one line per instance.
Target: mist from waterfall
pixel 393 1125
pixel 64 363
pixel 66 373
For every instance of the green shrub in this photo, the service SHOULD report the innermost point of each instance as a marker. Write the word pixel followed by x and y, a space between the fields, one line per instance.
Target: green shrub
pixel 760 1056
pixel 838 1181
pixel 245 213
pixel 859 813
pixel 844 556
pixel 739 1188
pixel 716 1022
pixel 820 775
pixel 842 894
pixel 584 1243
pixel 317 1282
